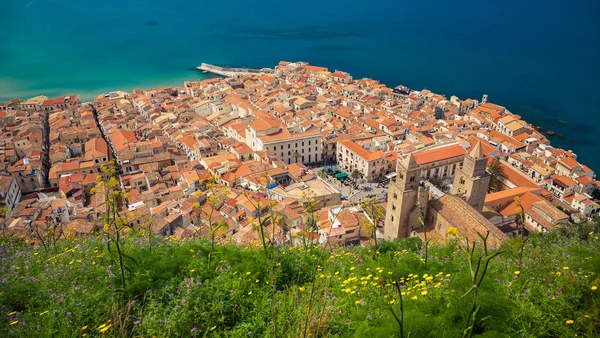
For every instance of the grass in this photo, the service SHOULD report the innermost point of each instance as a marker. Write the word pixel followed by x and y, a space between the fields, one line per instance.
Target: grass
pixel 75 290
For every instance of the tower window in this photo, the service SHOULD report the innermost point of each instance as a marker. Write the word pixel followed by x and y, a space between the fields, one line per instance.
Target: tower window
pixel 395 196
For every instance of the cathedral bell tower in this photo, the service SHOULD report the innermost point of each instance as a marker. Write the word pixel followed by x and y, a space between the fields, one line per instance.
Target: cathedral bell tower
pixel 471 181
pixel 405 195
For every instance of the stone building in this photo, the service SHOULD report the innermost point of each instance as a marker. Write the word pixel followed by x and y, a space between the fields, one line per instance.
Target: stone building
pixel 413 209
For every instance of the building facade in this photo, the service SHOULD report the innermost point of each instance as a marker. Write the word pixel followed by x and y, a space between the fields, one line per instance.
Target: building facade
pixel 472 180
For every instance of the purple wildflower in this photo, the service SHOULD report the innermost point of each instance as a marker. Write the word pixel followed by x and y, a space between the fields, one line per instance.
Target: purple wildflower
pixel 369 317
pixel 68 314
pixel 193 330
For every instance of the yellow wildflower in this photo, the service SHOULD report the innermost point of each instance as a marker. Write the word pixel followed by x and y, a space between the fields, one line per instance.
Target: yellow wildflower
pixel 247 273
pixel 249 293
pixel 424 293
pixel 14 322
pixel 84 328
pixel 357 302
pixel 565 268
pixel 43 313
pixel 301 289
pixel 517 272
pixel 213 328
pixel 594 288
pixel 414 297
pixel 105 328
pixel 12 313
pixel 570 321
pixel 452 231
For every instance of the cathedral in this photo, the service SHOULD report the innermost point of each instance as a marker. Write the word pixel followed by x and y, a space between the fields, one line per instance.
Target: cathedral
pixel 414 208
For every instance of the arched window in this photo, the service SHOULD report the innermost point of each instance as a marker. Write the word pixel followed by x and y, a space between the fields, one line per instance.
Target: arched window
pixel 462 180
pixel 412 179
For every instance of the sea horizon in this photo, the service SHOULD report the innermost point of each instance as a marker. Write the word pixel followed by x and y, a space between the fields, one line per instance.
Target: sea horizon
pixel 542 68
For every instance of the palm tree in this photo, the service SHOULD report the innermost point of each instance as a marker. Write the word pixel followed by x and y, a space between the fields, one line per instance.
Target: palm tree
pixel 322 174
pixel 296 155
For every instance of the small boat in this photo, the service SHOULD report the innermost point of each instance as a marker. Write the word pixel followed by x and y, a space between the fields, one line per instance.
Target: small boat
pixel 204 71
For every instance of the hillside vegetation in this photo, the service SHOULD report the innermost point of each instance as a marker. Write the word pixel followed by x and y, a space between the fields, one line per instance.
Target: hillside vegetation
pixel 75 288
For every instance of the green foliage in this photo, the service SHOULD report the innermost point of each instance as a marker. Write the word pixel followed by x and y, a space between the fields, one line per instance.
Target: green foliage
pixel 495 170
pixel 439 183
pixel 174 292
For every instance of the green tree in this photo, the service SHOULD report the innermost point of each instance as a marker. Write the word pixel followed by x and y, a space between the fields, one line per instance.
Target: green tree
pixel 356 174
pixel 296 155
pixel 495 170
pixel 322 174
pixel 438 182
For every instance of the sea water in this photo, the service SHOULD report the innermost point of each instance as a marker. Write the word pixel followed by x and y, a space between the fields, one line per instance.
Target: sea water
pixel 537 58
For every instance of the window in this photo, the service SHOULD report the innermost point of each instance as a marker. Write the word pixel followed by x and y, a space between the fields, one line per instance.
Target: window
pixel 392 218
pixel 395 196
pixel 289 145
pixel 289 153
pixel 282 147
pixel 303 143
pixel 393 207
pixel 309 142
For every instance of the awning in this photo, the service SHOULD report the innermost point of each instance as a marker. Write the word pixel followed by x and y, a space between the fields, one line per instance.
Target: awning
pixel 341 175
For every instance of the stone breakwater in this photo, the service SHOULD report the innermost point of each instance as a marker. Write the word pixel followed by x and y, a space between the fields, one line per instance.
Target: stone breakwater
pixel 232 72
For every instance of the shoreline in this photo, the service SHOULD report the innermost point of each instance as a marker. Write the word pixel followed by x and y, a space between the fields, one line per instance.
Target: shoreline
pixel 89 95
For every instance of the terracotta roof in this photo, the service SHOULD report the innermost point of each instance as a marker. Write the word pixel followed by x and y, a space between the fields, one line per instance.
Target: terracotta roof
pixel 466 220
pixel 545 208
pixel 365 154
pixel 563 181
pixel 439 154
pixel 569 162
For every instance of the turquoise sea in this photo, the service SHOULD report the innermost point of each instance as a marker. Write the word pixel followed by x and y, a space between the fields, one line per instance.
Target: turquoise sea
pixel 541 59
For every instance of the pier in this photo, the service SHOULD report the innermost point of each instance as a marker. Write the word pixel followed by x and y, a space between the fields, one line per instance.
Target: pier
pixel 232 72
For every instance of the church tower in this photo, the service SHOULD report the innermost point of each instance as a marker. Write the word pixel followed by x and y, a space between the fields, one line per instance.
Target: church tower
pixel 472 180
pixel 484 98
pixel 404 197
